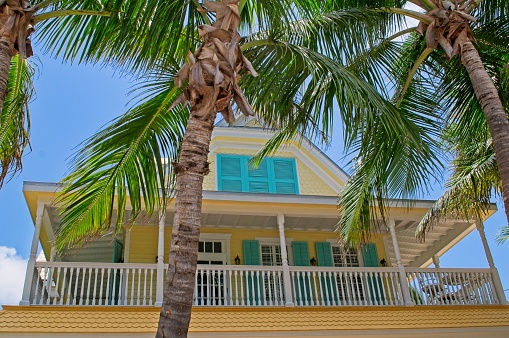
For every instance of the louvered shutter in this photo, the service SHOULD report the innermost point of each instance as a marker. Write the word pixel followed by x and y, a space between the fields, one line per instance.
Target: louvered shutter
pixel 369 255
pixel 300 253
pixel 324 254
pixel 251 250
pixel 375 284
pixel 284 180
pixel 327 282
pixel 259 178
pixel 229 173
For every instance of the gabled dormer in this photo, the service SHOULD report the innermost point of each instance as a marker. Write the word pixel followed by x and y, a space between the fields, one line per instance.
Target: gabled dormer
pixel 299 168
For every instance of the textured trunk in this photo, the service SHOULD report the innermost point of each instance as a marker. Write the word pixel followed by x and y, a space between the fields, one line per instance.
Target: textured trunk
pixel 6 48
pixel 191 169
pixel 496 117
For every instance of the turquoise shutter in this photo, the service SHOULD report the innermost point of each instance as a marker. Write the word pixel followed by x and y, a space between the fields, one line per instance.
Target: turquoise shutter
pixel 300 253
pixel 229 173
pixel 252 257
pixel 251 252
pixel 376 287
pixel 117 257
pixel 259 178
pixel 301 258
pixel 324 254
pixel 285 176
pixel 327 283
pixel 369 255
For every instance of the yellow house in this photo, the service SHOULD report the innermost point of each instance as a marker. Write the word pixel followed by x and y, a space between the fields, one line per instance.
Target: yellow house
pixel 269 262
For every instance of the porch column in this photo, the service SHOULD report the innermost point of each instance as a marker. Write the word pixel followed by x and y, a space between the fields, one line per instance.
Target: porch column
pixel 25 298
pixel 497 284
pixel 407 299
pixel 436 261
pixel 160 260
pixel 287 280
pixel 53 253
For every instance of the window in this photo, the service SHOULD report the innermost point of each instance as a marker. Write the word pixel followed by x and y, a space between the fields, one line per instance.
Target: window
pixel 271 255
pixel 344 257
pixel 274 175
pixel 349 285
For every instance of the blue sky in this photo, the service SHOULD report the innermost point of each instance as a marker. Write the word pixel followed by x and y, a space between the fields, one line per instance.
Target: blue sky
pixel 75 101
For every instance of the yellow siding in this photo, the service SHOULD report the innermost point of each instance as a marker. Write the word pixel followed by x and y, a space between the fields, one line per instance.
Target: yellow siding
pixel 309 182
pixel 143 247
pixel 424 321
pixel 144 240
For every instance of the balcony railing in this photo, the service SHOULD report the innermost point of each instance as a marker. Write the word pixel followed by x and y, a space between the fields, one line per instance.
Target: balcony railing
pixel 64 283
pixel 130 284
pixel 452 286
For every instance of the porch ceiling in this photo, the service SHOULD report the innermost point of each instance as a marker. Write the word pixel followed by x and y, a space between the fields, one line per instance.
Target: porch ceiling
pixel 413 253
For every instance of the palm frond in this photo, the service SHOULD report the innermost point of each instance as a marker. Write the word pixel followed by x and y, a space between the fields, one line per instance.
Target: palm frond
pixel 15 119
pixel 390 165
pixel 502 235
pixel 470 187
pixel 128 164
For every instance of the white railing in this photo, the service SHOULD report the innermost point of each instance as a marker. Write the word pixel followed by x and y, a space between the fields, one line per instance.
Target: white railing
pixel 130 284
pixel 66 283
pixel 236 285
pixel 345 286
pixel 452 286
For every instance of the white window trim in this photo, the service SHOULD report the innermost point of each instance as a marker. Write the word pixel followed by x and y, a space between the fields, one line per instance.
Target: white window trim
pixel 275 240
pixel 222 237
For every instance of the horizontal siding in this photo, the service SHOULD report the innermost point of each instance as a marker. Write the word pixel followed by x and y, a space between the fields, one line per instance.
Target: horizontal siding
pixel 143 248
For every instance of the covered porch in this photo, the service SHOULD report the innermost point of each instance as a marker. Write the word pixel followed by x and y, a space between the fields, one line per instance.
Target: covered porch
pixel 400 277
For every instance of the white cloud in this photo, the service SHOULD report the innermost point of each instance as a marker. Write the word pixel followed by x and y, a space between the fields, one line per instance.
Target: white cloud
pixel 12 276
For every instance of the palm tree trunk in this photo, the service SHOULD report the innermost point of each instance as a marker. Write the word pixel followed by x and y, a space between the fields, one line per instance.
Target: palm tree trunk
pixel 496 116
pixel 190 170
pixel 6 48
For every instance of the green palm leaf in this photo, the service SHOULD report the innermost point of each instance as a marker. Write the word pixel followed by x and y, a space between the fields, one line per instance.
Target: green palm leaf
pixel 15 119
pixel 127 163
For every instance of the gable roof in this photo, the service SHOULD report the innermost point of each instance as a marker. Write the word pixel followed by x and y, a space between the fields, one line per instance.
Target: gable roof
pixel 249 133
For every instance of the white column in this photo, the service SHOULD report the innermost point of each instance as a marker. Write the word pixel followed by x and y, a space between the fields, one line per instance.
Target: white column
pixel 53 254
pixel 436 261
pixel 160 260
pixel 127 244
pixel 25 298
pixel 287 280
pixel 407 299
pixel 497 283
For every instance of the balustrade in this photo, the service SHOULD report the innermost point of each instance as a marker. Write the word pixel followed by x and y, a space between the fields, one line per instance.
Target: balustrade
pixel 452 286
pixel 131 284
pixel 64 283
pixel 345 286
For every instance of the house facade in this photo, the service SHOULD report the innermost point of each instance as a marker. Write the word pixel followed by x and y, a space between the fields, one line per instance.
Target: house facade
pixel 269 262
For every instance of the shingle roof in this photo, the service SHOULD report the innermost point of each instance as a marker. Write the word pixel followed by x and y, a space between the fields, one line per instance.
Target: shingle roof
pixel 32 319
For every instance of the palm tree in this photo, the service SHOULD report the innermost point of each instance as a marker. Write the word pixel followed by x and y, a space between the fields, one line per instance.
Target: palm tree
pixel 18 21
pixel 128 157
pixel 474 82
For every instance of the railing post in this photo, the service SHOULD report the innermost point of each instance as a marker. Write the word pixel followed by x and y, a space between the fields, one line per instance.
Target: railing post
pixel 497 283
pixel 407 299
pixel 29 277
pixel 160 260
pixel 287 280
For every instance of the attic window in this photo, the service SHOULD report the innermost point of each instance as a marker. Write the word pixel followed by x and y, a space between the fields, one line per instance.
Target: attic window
pixel 275 175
